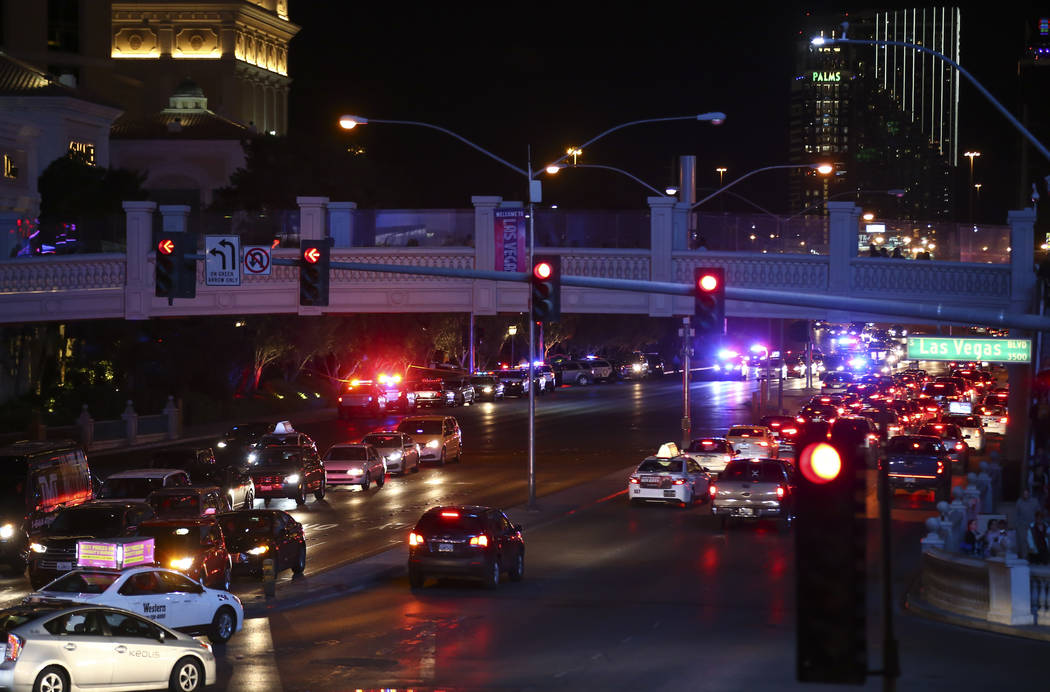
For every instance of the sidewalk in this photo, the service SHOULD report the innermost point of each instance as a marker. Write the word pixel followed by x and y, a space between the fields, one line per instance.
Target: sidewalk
pixel 393 563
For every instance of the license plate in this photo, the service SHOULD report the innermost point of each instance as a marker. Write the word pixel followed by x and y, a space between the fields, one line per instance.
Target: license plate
pixel 64 566
pixel 909 480
pixel 444 547
pixel 650 479
pixel 265 487
pixel 746 511
pixel 668 493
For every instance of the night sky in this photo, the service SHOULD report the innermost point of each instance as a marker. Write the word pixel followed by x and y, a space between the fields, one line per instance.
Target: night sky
pixel 553 75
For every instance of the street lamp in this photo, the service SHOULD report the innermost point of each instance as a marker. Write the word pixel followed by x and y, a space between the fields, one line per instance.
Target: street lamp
pixel 349 122
pixel 971 155
pixel 554 168
pixel 512 331
pixel 821 168
pixel 721 172
pixel 826 41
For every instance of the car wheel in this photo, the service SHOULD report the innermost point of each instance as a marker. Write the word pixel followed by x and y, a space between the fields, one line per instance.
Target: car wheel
pixel 583 380
pixel 223 625
pixel 367 482
pixel 380 481
pixel 52 679
pixel 321 489
pixel 300 495
pixel 415 469
pixel 186 676
pixel 249 500
pixel 300 562
pixel 415 578
pixel 517 572
pixel 266 502
pixel 495 571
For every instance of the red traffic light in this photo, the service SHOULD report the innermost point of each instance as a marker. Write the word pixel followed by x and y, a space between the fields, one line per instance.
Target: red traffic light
pixel 166 246
pixel 708 283
pixel 820 463
pixel 542 270
pixel 312 255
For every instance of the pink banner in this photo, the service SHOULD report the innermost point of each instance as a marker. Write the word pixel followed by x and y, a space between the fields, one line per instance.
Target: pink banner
pixel 510 240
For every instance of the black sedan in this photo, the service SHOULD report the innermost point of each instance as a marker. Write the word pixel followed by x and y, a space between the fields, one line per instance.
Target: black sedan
pixel 487 387
pixel 465 541
pixel 256 535
pixel 290 472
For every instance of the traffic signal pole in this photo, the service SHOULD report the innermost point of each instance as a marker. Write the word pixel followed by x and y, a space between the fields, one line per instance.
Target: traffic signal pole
pixel 890 659
pixel 687 423
pixel 532 350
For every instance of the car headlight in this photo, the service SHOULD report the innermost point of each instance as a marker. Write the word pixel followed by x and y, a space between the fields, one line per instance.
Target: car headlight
pixel 182 563
pixel 261 550
pixel 393 456
pixel 292 478
pixel 355 471
pixel 221 444
pixel 487 390
pixel 253 457
pixel 6 531
pixel 38 547
pixel 636 367
pixel 433 444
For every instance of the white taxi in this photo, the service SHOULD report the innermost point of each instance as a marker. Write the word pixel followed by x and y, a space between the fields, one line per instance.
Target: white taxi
pixel 675 479
pixel 753 441
pixel 166 596
pixel 993 420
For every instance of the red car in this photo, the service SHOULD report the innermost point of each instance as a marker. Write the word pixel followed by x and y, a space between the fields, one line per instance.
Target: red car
pixel 195 547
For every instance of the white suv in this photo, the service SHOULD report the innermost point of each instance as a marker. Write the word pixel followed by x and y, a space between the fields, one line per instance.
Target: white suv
pixel 439 437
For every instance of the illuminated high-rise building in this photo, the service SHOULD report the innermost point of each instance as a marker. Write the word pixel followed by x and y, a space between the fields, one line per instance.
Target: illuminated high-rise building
pixel 886 117
pixel 134 53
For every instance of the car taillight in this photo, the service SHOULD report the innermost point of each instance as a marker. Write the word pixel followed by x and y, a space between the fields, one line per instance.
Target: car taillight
pixel 712 490
pixel 479 540
pixel 940 467
pixel 415 539
pixel 340 399
pixel 780 492
pixel 790 431
pixel 960 445
pixel 679 481
pixel 1003 419
pixel 634 479
pixel 14 647
pixel 800 419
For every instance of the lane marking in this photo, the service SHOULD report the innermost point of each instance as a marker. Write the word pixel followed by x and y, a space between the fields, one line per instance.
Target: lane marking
pixel 251 658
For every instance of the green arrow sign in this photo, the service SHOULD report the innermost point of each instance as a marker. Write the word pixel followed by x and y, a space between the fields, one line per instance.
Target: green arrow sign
pixel 990 350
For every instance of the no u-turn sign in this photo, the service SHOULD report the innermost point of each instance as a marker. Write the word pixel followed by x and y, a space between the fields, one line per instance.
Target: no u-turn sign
pixel 257 260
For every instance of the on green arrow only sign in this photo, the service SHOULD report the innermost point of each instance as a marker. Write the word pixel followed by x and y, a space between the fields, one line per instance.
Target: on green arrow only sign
pixel 990 350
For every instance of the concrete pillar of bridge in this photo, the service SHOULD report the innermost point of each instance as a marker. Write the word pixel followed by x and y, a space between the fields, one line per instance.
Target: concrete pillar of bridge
pixel 174 217
pixel 680 216
pixel 843 221
pixel 341 223
pixel 1022 299
pixel 484 302
pixel 661 267
pixel 312 218
pixel 138 273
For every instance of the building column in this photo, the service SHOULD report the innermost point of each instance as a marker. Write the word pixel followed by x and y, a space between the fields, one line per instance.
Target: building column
pixel 1022 296
pixel 661 227
pixel 485 251
pixel 139 262
pixel 842 249
pixel 312 219
pixel 341 223
pixel 174 217
pixel 680 226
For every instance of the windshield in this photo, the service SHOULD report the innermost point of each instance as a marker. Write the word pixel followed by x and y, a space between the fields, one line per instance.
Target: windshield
pixel 911 445
pixel 188 504
pixel 121 488
pixel 16 617
pixel 483 380
pixel 745 432
pixel 762 472
pixel 278 457
pixel 450 521
pixel 964 421
pixel 84 582
pixel 939 389
pixel 175 539
pixel 247 525
pixel 383 440
pixel 708 446
pixel 347 454
pixel 660 466
pixel 420 427
pixel 101 522
pixel 937 430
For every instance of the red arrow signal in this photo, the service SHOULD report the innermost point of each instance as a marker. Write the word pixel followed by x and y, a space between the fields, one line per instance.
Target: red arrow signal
pixel 166 246
pixel 312 254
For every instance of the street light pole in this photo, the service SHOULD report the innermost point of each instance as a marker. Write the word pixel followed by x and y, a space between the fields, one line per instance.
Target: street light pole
pixel 971 155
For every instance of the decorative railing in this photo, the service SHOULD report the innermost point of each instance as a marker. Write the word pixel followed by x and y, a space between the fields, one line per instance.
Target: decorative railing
pixel 1040 586
pixel 448 258
pixel 62 273
pixel 612 264
pixel 882 277
pixel 807 273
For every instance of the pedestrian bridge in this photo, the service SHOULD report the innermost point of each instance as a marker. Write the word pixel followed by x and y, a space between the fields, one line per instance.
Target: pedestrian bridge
pixel 120 285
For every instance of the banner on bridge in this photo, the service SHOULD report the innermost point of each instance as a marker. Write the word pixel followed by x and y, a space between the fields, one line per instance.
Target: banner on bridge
pixel 510 240
pixel 989 350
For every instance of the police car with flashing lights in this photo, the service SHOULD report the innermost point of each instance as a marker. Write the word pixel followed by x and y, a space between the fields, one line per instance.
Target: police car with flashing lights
pixel 164 595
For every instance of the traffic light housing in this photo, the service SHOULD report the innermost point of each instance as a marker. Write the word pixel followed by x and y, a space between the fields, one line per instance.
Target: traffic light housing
pixel 314 264
pixel 175 276
pixel 545 281
pixel 709 314
pixel 830 551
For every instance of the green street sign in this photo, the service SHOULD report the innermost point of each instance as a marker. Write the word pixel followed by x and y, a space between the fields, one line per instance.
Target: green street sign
pixel 990 350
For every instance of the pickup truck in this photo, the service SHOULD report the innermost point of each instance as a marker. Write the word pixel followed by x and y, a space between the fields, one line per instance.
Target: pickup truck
pixel 919 462
pixel 754 489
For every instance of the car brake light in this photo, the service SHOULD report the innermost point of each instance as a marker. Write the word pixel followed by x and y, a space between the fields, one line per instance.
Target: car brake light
pixel 1003 419
pixel 451 515
pixel 790 431
pixel 634 479
pixel 780 492
pixel 679 481
pixel 14 647
pixel 479 540
pixel 340 399
pixel 940 467
pixel 939 427
pixel 959 445
pixel 712 490
pixel 415 539
pixel 800 419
